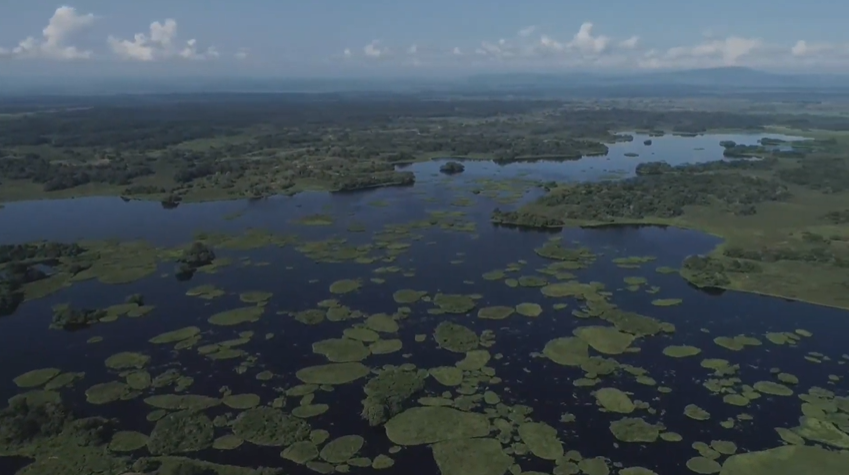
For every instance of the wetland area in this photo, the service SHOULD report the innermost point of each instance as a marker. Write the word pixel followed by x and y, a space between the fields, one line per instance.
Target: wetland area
pixel 400 290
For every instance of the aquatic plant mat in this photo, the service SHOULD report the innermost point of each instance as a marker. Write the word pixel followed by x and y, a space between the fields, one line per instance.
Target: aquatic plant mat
pixel 414 347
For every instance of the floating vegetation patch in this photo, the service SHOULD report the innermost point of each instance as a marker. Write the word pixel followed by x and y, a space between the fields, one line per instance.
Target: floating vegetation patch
pixel 207 292
pixel 267 426
pixel 703 465
pixel 676 351
pixel 315 220
pixel 127 360
pixel 63 380
pixel 334 373
pixel 241 401
pixel 447 375
pixel 498 312
pixel 454 303
pixel 632 262
pixel 345 286
pixel 310 410
pixel 176 402
pixel 474 360
pixel 695 412
pixel 408 296
pixel 180 432
pixel 772 388
pixel 614 400
pixel 577 257
pixel 366 335
pixel 300 452
pixel 175 336
pixel 494 275
pixel 36 377
pixel 382 323
pixel 138 380
pixel 567 351
pixel 310 317
pixel 227 442
pixel 341 449
pixel 607 340
pixel 632 429
pixel 541 439
pixel 237 316
pixel 532 281
pixel 666 302
pixel 529 309
pixel 456 338
pixel 256 297
pixel 127 441
pixel 788 459
pixel 341 350
pixel 382 347
pixel 736 343
pixel 428 425
pixel 479 456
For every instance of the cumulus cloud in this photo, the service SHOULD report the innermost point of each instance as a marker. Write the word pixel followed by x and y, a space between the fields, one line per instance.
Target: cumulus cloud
pixel 803 48
pixel 243 53
pixel 159 43
pixel 53 43
pixel 630 43
pixel 374 50
pixel 588 47
pixel 587 43
pixel 550 44
pixel 719 52
pixel 527 31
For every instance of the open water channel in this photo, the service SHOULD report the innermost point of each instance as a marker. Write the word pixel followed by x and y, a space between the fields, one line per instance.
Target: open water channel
pixel 448 259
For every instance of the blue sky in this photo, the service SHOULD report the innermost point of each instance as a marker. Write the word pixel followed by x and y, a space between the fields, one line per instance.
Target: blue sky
pixel 313 37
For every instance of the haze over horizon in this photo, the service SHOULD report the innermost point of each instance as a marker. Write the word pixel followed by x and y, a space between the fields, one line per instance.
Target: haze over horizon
pixel 95 38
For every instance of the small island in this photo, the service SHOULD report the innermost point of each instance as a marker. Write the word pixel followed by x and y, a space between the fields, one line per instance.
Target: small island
pixel 451 168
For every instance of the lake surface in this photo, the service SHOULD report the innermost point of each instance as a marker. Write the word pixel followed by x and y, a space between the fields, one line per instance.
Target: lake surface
pixel 439 259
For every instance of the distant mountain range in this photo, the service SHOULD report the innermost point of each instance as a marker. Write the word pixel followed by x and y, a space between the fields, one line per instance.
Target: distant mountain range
pixel 725 77
pixel 711 81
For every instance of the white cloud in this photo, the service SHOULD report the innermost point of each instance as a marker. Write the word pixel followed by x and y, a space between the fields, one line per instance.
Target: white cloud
pixel 721 52
pixel 527 31
pixel 532 48
pixel 190 51
pixel 158 44
pixel 630 43
pixel 347 52
pixel 585 42
pixel 489 48
pixel 550 44
pixel 803 48
pixel 374 50
pixel 243 53
pixel 62 26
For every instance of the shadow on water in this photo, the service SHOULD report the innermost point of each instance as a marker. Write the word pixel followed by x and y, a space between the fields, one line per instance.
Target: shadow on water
pixel 439 261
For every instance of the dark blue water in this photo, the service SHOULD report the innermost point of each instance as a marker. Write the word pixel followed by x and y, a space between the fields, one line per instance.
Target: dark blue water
pixel 298 283
pixel 110 217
